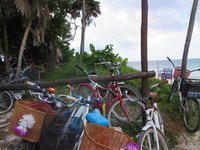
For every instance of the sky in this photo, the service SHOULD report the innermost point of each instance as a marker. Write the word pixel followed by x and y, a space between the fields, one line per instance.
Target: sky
pixel 120 25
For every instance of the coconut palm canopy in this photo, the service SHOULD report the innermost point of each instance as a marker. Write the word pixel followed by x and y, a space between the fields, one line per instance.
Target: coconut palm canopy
pixel 41 28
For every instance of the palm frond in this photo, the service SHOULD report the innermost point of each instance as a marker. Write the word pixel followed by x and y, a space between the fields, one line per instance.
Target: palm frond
pixel 23 6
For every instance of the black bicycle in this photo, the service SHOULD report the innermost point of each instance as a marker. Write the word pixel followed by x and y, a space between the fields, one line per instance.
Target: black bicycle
pixel 188 90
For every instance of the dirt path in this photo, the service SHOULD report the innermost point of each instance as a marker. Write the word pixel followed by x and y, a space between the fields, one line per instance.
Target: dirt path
pixel 7 141
pixel 189 142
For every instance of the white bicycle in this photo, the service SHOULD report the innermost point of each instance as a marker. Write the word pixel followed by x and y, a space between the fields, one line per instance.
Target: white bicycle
pixel 152 136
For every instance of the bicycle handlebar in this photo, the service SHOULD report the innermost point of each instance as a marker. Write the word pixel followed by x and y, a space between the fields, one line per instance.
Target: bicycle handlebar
pixel 158 84
pixel 112 67
pixel 171 62
pixel 88 76
pixel 180 67
pixel 33 86
pixel 103 63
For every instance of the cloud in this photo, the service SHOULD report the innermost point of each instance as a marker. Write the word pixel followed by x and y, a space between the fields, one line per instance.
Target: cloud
pixel 120 25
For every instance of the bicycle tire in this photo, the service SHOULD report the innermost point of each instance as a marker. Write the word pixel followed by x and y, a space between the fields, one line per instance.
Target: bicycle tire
pixel 130 90
pixel 132 93
pixel 116 115
pixel 6 102
pixel 173 90
pixel 159 120
pixel 5 78
pixel 85 91
pixel 65 99
pixel 32 74
pixel 191 116
pixel 146 136
pixel 40 69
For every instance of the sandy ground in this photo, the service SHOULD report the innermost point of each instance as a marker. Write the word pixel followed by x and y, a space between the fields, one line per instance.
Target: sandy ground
pixel 189 142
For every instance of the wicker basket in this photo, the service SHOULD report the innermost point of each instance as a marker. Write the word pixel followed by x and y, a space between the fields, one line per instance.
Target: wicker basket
pixel 22 108
pixel 177 73
pixel 97 137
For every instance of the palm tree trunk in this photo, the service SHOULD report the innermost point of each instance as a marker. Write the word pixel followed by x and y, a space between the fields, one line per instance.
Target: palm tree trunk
pixel 188 38
pixel 83 22
pixel 144 28
pixel 22 47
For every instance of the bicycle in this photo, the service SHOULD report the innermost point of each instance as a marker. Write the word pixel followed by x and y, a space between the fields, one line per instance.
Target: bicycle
pixel 116 106
pixel 8 98
pixel 41 68
pixel 67 127
pixel 151 135
pixel 86 89
pixel 29 70
pixel 189 106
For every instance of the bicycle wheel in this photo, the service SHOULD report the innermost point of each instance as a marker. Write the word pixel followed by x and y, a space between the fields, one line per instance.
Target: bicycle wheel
pixel 191 115
pixel 85 90
pixel 65 99
pixel 40 69
pixel 173 90
pixel 116 115
pixel 147 140
pixel 6 102
pixel 130 91
pixel 32 74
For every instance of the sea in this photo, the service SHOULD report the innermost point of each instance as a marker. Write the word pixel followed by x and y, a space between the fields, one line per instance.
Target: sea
pixel 159 65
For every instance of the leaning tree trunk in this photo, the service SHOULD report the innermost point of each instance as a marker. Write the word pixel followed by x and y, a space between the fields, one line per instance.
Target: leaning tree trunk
pixel 144 63
pixel 188 38
pixel 5 41
pixel 22 47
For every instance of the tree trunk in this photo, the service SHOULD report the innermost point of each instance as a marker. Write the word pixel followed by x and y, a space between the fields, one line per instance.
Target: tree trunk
pixel 144 62
pixel 188 38
pixel 5 43
pixel 22 47
pixel 72 81
pixel 83 22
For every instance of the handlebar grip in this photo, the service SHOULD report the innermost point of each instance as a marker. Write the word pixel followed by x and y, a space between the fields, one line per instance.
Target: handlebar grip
pixel 79 67
pixel 30 83
pixel 34 86
pixel 168 58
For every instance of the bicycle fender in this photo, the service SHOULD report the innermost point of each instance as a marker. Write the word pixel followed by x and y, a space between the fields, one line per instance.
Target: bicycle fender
pixel 146 127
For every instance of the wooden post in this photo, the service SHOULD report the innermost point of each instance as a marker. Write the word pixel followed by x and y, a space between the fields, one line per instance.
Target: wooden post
pixel 144 62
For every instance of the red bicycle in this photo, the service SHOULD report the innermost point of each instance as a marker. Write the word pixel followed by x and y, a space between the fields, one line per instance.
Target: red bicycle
pixel 118 101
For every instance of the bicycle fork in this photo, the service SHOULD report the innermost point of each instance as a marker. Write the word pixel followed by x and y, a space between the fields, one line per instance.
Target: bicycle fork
pixel 123 108
pixel 183 103
pixel 149 124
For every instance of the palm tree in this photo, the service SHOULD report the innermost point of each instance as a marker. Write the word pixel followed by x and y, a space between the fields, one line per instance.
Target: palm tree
pixel 32 10
pixel 83 22
pixel 89 9
pixel 188 38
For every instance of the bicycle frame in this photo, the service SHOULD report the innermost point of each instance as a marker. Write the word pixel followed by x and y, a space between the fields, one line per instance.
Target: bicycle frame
pixel 112 88
pixel 112 91
pixel 179 80
pixel 150 113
